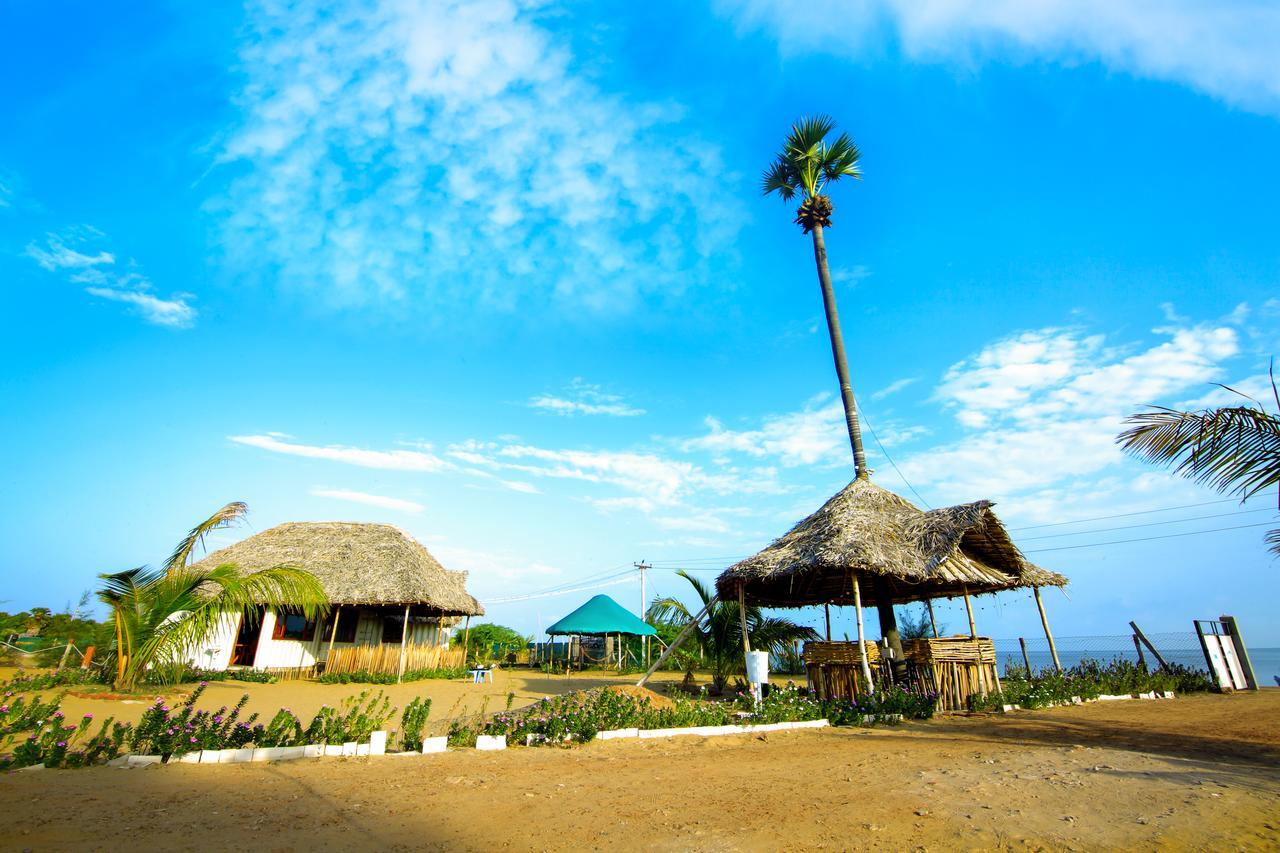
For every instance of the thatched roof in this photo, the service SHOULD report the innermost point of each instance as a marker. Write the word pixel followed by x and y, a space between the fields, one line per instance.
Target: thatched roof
pixel 888 542
pixel 356 564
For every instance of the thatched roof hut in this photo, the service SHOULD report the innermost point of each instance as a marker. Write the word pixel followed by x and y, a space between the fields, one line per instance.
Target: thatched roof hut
pixel 357 564
pixel 890 544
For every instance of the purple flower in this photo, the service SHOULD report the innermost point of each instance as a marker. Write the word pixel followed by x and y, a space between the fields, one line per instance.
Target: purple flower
pixel 57 715
pixel 217 718
pixel 4 709
pixel 62 743
pixel 159 700
pixel 193 740
pixel 88 716
pixel 204 684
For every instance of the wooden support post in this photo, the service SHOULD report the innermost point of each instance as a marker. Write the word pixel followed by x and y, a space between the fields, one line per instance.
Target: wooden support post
pixel 973 635
pixel 862 640
pixel 1137 645
pixel 968 608
pixel 1143 637
pixel 404 643
pixel 466 638
pixel 742 620
pixel 680 638
pixel 1044 620
pixel 65 652
pixel 1026 661
pixel 826 611
pixel 933 622
pixel 333 635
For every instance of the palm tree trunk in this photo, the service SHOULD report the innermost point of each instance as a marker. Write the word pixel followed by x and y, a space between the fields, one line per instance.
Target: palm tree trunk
pixel 119 652
pixel 884 603
pixel 837 352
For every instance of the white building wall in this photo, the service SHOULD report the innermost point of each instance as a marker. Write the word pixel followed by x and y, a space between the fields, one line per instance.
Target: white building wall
pixel 216 650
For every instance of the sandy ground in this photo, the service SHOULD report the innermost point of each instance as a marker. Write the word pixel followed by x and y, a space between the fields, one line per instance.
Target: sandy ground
pixel 1188 773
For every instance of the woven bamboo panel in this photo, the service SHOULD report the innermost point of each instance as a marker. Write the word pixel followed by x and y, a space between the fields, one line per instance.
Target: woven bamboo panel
pixel 951 649
pixel 959 667
pixel 816 653
pixel 386 658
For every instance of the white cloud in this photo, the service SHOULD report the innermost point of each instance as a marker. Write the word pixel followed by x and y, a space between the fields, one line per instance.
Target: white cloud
pixel 582 398
pixel 894 387
pixel 76 253
pixel 521 486
pixel 392 460
pixel 58 254
pixel 1042 409
pixel 814 434
pixel 1226 49
pixel 380 501
pixel 449 155
pixel 175 311
pixel 703 522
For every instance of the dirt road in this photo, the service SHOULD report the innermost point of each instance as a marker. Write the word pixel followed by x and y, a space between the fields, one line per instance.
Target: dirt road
pixel 1188 773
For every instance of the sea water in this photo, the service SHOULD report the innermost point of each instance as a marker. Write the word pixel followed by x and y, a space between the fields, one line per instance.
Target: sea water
pixel 1266 660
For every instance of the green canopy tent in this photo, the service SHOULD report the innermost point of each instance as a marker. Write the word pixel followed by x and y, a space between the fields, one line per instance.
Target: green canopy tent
pixel 601 617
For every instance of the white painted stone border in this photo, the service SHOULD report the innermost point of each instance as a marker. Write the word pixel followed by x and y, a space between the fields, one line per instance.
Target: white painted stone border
pixel 1076 700
pixel 709 731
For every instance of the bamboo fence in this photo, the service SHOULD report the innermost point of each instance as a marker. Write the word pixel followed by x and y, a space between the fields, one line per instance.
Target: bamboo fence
pixel 835 669
pixel 385 658
pixel 953 667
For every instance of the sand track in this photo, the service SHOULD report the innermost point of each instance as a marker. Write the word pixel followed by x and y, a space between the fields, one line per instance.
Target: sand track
pixel 1188 773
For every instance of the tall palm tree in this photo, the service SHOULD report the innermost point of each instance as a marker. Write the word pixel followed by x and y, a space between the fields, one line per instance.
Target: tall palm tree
pixel 162 615
pixel 1234 450
pixel 805 167
pixel 719 633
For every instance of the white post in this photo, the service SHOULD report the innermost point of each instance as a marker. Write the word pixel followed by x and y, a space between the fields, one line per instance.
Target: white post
pixel 404 643
pixel 862 640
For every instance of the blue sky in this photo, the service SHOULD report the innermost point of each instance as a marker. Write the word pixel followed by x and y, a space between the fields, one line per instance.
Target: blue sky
pixel 500 274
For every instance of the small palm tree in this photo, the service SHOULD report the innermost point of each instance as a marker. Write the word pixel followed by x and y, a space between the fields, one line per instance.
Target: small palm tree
pixel 719 633
pixel 1234 450
pixel 162 615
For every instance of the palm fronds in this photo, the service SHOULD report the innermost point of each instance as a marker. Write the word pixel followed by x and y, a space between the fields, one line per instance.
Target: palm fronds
pixel 1232 449
pixel 230 514
pixel 807 162
pixel 162 615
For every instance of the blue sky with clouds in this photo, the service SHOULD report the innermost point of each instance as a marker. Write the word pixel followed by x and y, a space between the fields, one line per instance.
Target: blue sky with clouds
pixel 500 274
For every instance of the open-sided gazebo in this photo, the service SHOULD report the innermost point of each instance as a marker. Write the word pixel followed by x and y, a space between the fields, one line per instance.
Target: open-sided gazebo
pixel 867 541
pixel 601 616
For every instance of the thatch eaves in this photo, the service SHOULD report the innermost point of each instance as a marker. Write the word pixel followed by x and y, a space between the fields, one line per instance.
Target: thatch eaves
pixel 369 564
pixel 888 543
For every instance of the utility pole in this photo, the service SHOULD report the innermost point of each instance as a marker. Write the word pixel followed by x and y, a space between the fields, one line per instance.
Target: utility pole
pixel 643 567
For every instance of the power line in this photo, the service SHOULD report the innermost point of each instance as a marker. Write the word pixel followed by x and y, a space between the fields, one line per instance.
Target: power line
pixel 1145 524
pixel 1148 538
pixel 1124 515
pixel 867 421
pixel 627 578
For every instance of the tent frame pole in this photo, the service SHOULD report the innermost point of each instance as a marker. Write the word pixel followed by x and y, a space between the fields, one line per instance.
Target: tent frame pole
pixel 680 638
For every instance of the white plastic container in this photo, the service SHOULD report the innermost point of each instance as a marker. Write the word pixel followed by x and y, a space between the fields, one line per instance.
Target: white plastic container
pixel 758 667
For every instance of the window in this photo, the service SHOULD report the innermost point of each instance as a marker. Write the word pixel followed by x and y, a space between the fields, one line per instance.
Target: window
pixel 392 629
pixel 293 626
pixel 347 623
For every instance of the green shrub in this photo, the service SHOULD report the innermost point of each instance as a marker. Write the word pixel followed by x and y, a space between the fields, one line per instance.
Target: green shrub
pixel 1088 680
pixel 413 722
pixel 29 682
pixel 366 677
